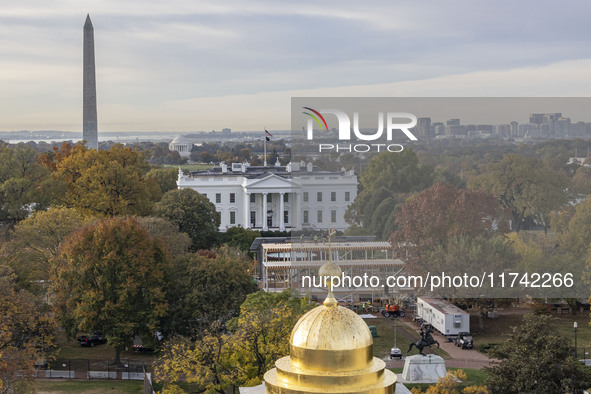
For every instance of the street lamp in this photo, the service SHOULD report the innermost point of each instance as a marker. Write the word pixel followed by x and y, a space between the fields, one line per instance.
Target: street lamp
pixel 575 329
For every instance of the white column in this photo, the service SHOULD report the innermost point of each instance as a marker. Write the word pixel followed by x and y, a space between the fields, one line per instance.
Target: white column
pixel 246 210
pixel 296 212
pixel 265 227
pixel 281 208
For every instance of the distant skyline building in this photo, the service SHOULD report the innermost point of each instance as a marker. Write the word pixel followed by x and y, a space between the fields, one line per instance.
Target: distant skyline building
pixel 89 117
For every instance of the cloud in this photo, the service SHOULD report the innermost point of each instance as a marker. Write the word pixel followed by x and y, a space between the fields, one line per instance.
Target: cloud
pixel 153 55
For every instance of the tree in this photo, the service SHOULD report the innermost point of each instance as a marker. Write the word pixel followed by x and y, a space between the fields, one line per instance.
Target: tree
pixel 573 228
pixel 526 187
pixel 262 332
pixel 432 217
pixel 536 360
pixel 25 185
pixel 241 238
pixel 166 178
pixel 220 360
pixel 110 277
pixel 176 242
pixel 205 362
pixel 193 213
pixel 26 334
pixel 35 242
pixel 387 177
pixel 207 288
pixel 108 183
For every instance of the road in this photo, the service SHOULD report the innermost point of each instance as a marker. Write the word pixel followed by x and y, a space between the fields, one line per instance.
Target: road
pixel 460 358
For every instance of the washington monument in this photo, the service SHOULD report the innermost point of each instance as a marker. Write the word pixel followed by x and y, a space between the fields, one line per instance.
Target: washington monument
pixel 89 123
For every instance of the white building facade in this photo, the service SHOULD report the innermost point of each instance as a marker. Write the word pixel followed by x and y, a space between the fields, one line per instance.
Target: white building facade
pixel 298 196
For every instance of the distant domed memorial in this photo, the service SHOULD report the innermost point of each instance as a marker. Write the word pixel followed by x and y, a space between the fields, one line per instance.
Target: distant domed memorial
pixel 182 145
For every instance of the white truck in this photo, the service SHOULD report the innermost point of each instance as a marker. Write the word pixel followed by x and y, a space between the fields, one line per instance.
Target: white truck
pixel 446 318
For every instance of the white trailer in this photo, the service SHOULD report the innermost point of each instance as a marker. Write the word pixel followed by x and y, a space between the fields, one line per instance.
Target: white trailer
pixel 446 318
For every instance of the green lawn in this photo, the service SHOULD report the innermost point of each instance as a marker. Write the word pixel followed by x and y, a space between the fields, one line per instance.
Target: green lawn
pixel 71 349
pixel 404 336
pixel 90 386
pixel 496 330
pixel 189 167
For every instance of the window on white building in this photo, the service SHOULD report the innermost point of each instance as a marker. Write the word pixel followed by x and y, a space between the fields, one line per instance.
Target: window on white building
pixel 218 198
pixel 232 217
pixel 333 196
pixel 252 198
pixel 269 197
pixel 232 198
pixel 347 196
pixel 333 216
pixel 253 218
pixel 305 196
pixel 306 217
pixel 286 197
pixel 319 216
pixel 285 216
pixel 319 196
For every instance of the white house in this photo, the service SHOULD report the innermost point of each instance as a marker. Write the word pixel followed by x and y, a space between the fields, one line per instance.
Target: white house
pixel 298 196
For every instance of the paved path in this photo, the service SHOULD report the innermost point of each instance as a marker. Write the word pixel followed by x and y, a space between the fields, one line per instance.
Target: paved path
pixel 460 358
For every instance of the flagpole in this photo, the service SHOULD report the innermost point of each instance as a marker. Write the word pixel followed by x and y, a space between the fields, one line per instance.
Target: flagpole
pixel 265 145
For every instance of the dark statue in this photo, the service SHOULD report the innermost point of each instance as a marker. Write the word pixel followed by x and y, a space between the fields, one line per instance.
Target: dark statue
pixel 426 341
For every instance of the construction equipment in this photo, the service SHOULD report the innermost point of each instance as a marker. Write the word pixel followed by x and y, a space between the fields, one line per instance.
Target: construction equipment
pixel 391 310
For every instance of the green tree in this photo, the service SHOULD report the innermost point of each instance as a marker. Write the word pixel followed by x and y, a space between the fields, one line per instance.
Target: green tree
pixel 110 277
pixel 261 333
pixel 204 362
pixel 165 177
pixel 241 238
pixel 25 185
pixel 573 228
pixel 205 288
pixel 526 187
pixel 387 177
pixel 193 213
pixel 536 360
pixel 108 183
pixel 220 360
pixel 176 242
pixel 34 244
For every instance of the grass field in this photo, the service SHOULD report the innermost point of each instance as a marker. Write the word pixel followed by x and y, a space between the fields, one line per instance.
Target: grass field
pixel 496 330
pixel 90 387
pixel 189 167
pixel 404 336
pixel 71 349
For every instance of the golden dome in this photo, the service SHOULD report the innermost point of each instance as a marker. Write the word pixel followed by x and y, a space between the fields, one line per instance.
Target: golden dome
pixel 331 351
pixel 326 328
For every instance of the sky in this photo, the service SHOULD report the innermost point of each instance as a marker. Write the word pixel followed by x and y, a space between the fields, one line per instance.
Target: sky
pixel 187 65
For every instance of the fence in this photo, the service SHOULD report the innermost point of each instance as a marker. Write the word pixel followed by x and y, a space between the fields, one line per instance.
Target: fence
pixel 94 369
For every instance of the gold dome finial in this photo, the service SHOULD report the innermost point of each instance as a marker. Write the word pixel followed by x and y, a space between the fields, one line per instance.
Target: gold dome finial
pixel 328 271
